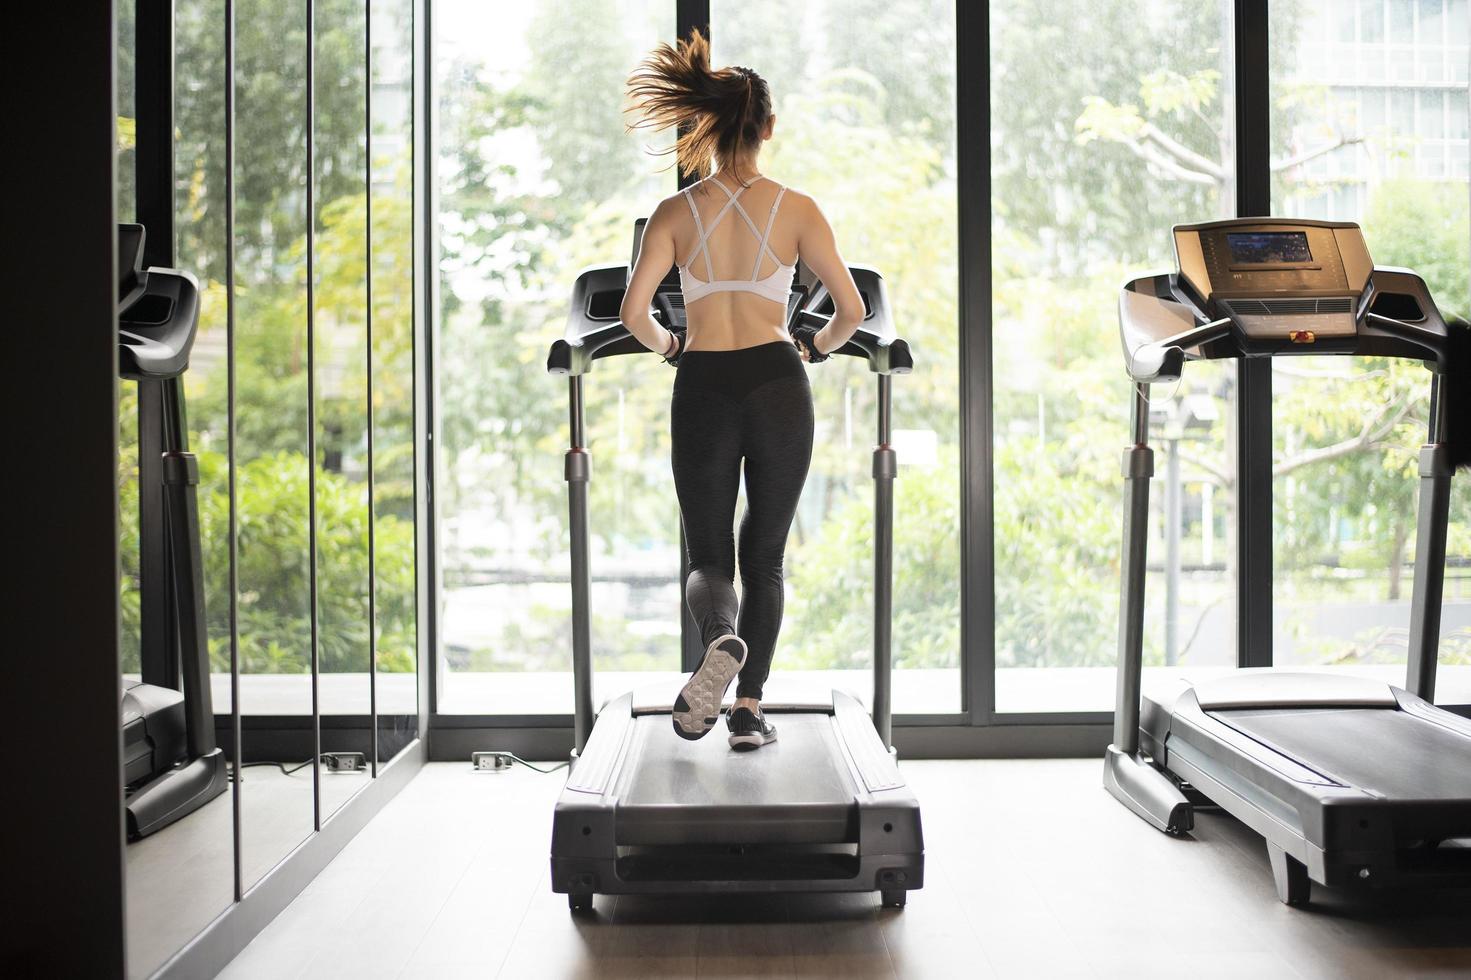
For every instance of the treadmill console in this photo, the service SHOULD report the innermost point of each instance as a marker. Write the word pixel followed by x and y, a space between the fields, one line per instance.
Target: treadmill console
pixel 1276 279
pixel 157 313
pixel 1274 287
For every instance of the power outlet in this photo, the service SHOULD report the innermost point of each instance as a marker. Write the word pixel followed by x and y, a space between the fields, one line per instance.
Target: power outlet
pixel 491 761
pixel 344 761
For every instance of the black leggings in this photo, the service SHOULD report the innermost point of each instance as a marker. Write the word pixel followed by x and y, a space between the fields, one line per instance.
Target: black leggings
pixel 754 404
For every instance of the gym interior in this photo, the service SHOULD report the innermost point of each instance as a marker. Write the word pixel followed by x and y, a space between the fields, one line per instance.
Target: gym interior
pixel 1127 623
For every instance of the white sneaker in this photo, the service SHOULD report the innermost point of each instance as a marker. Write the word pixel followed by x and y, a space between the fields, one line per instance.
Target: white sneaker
pixel 698 706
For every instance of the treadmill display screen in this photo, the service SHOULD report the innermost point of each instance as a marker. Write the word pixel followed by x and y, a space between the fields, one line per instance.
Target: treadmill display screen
pixel 1269 247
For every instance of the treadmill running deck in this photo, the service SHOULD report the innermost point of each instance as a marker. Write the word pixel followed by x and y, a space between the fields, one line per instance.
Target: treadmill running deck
pixel 1384 752
pixel 800 767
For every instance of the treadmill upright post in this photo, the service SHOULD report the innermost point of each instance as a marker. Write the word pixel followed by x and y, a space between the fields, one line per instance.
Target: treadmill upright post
pixel 1128 776
pixel 885 464
pixel 1138 467
pixel 578 470
pixel 1430 534
pixel 186 569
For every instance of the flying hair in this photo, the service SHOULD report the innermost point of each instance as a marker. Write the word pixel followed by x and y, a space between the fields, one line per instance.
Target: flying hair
pixel 718 113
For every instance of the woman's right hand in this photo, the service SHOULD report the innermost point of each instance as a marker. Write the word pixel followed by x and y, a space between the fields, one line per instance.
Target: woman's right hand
pixel 805 337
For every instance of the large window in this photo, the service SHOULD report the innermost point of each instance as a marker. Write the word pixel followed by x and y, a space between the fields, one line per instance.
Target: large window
pixel 864 95
pixel 293 212
pixel 1369 124
pixel 537 180
pixel 1097 150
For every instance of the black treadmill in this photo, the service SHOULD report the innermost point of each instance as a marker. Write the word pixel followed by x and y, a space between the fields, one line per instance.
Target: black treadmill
pixel 825 808
pixel 171 764
pixel 1352 782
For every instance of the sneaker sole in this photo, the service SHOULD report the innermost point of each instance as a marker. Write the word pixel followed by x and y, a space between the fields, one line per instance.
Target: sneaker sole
pixel 698 706
pixel 749 743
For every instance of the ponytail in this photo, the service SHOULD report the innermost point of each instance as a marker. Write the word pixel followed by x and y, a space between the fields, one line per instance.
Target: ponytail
pixel 719 113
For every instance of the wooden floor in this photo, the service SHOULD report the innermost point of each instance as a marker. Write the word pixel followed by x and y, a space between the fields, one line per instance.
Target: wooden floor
pixel 1032 871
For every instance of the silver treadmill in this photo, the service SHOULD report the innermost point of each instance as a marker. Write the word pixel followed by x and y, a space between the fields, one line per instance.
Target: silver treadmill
pixel 825 808
pixel 1352 782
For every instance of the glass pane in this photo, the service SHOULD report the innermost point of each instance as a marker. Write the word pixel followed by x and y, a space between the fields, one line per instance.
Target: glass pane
pixel 1347 432
pixel 1430 124
pixel 1097 150
pixel 1401 21
pixel 391 186
pixel 864 95
pixel 538 179
pixel 182 877
pixel 344 685
pixel 271 426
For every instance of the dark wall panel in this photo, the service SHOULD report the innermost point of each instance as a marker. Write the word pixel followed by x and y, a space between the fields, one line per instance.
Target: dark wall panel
pixel 63 822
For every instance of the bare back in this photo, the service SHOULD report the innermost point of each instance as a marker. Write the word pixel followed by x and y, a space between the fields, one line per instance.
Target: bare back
pixel 731 319
pixel 744 242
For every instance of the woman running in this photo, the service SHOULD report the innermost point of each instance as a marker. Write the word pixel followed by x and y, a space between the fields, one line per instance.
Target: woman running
pixel 740 393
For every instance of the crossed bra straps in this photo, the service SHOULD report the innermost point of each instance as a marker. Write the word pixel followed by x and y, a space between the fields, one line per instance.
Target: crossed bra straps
pixel 776 287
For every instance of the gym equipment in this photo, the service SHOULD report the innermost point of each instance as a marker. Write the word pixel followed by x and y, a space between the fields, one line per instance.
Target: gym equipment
pixel 1352 782
pixel 171 765
pixel 824 809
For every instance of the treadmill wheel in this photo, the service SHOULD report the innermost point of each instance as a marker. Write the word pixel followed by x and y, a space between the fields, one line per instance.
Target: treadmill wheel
pixel 893 898
pixel 579 901
pixel 1291 876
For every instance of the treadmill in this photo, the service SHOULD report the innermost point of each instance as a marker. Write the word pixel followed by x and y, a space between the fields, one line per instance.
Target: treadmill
pixel 824 808
pixel 171 764
pixel 1352 782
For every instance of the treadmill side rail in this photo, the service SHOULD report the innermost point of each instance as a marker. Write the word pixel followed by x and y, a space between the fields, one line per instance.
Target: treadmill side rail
pixel 594 768
pixel 1421 708
pixel 873 765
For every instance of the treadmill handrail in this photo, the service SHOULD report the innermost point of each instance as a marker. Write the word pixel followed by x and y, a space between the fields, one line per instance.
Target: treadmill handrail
pixel 1434 345
pixel 573 359
pixel 1164 359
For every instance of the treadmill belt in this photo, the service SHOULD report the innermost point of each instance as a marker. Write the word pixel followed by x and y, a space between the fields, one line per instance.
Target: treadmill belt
pixel 1389 753
pixel 804 766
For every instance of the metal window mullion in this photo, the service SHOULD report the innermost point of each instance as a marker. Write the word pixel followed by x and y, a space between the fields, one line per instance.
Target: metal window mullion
pixel 1254 377
pixel 977 518
pixel 232 533
pixel 425 304
pixel 311 401
pixel 368 359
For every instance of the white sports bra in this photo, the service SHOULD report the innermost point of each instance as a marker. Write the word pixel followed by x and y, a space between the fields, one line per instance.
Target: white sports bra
pixel 776 287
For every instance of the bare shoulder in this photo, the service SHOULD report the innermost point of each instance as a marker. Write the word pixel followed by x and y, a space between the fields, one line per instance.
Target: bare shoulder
pixel 800 202
pixel 666 209
pixel 803 214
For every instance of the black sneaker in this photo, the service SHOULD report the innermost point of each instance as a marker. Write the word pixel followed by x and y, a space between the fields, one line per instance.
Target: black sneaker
pixel 749 730
pixel 698 705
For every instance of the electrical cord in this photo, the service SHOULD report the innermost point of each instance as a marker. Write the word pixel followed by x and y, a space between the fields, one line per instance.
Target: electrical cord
pixel 518 759
pixel 512 757
pixel 279 765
